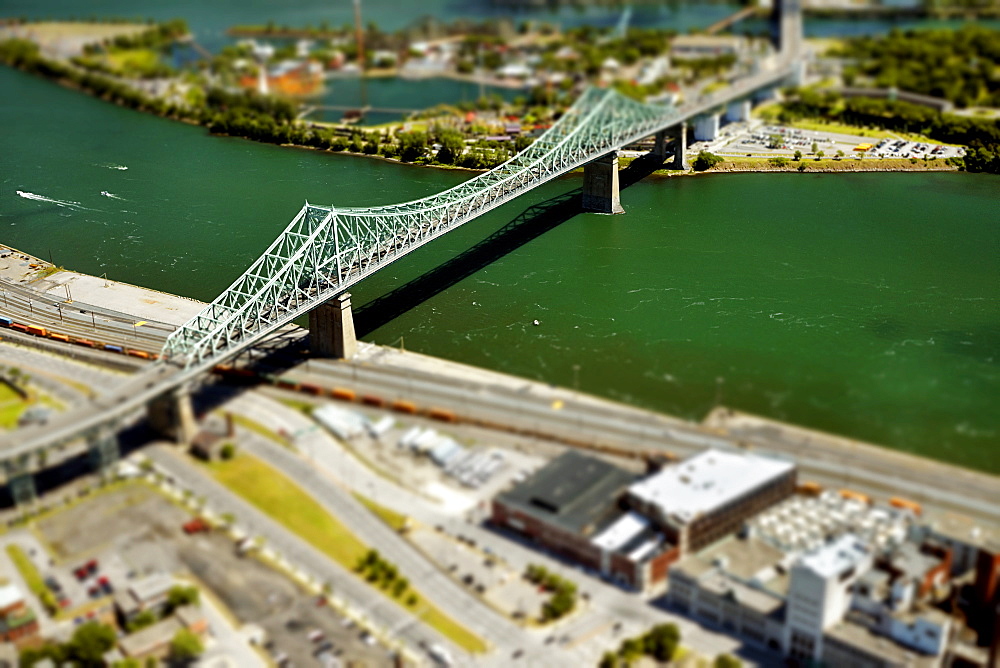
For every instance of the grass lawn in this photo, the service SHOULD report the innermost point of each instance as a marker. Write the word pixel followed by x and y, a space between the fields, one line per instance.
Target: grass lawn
pixel 257 427
pixel 133 61
pixel 840 128
pixel 11 407
pixel 395 521
pixel 27 569
pixel 287 503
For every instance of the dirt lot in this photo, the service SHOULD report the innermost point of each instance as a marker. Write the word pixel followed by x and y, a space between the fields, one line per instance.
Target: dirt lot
pixel 143 530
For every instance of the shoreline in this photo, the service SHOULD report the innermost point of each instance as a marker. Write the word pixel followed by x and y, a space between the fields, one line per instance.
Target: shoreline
pixel 726 167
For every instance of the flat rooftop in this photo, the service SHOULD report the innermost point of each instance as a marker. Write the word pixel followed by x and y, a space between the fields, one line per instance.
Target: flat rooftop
pixel 834 558
pixel 706 482
pixel 573 491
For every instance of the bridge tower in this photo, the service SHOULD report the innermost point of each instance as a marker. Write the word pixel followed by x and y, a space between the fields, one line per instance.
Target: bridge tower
pixel 600 185
pixel 331 324
pixel 786 26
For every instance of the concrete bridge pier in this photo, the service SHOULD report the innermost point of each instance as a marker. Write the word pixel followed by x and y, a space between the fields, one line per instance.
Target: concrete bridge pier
pixel 660 146
pixel 103 451
pixel 172 415
pixel 706 128
pixel 22 488
pixel 600 185
pixel 680 161
pixel 331 327
pixel 738 112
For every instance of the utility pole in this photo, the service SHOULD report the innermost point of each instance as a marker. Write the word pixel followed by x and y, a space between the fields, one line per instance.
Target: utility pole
pixel 359 36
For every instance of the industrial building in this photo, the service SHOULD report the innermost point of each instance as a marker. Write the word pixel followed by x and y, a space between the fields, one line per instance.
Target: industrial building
pixel 835 580
pixel 629 528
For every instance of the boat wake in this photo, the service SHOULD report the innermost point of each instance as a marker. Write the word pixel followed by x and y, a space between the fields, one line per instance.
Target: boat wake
pixel 111 195
pixel 49 200
pixel 118 167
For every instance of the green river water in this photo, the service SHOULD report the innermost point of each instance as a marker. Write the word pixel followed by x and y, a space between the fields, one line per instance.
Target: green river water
pixel 862 304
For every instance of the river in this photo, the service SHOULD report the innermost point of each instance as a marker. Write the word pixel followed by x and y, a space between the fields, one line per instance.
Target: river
pixel 863 304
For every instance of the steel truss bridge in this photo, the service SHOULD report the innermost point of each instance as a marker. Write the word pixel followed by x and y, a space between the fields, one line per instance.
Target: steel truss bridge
pixel 325 250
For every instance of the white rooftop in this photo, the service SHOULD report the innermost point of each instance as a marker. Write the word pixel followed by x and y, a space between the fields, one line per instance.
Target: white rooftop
pixel 9 595
pixel 624 529
pixel 836 557
pixel 707 481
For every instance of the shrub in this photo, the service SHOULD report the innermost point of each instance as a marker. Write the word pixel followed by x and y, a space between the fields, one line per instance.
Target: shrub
pixel 706 161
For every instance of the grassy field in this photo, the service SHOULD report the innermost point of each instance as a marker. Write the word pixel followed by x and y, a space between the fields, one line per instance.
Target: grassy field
pixel 133 61
pixel 11 407
pixel 284 501
pixel 27 569
pixel 258 428
pixel 395 521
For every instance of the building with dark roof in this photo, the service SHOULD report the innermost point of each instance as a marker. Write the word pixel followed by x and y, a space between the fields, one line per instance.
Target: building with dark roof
pixel 575 507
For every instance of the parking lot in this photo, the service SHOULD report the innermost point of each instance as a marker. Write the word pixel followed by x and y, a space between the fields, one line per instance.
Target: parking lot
pixel 780 140
pixel 134 531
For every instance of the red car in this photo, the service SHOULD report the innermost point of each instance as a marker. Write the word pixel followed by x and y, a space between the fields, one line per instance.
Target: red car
pixel 197 525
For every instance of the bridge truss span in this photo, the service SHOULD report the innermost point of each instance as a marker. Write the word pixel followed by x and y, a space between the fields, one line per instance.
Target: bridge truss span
pixel 325 250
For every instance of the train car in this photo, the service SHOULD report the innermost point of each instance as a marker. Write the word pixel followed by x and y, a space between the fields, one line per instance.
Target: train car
pixel 85 342
pixel 113 349
pixel 856 496
pixel 311 389
pixel 142 354
pixel 37 331
pixel 342 394
pixel 5 321
pixel 906 504
pixel 59 337
pixel 19 327
pixel 405 407
pixel 441 414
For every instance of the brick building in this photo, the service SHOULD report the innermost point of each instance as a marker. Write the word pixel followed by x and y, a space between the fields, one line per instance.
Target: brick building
pixel 709 495
pixel 629 529
pixel 18 623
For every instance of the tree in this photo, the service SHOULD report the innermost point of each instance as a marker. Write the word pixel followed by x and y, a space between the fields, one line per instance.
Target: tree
pixel 819 155
pixel 180 596
pixel 662 640
pixel 797 156
pixel 89 643
pixel 727 661
pixel 705 161
pixel 452 146
pixel 141 621
pixel 186 646
pixel 412 145
pixel 814 148
pixel 776 141
pixel 228 451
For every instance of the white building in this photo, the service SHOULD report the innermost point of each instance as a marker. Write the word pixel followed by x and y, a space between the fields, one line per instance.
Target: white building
pixel 819 594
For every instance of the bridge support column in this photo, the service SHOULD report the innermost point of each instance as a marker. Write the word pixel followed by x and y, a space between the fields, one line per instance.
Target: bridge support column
pixel 660 147
pixel 22 488
pixel 738 112
pixel 331 329
pixel 103 451
pixel 706 128
pixel 680 147
pixel 600 185
pixel 172 415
